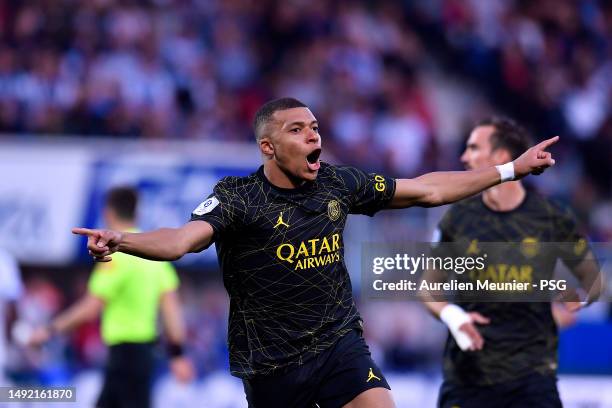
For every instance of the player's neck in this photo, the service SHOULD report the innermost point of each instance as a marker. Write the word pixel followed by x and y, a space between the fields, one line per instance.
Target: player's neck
pixel 277 177
pixel 504 197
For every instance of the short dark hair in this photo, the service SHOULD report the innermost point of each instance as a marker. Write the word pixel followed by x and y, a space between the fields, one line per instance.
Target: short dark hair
pixel 264 114
pixel 507 135
pixel 123 200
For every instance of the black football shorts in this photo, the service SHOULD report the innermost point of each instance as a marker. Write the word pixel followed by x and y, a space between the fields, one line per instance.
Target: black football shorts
pixel 330 380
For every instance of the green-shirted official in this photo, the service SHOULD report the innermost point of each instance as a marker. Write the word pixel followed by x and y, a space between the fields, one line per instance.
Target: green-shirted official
pixel 131 289
pixel 128 292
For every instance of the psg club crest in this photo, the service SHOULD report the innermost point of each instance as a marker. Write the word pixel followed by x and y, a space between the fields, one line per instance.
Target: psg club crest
pixel 530 247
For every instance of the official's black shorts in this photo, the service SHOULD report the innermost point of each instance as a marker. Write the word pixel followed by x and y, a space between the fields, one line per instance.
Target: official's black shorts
pixel 533 391
pixel 331 380
pixel 127 377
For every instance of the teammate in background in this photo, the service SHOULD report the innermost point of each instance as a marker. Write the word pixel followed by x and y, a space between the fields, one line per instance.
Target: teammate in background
pixel 10 291
pixel 128 292
pixel 505 353
pixel 295 336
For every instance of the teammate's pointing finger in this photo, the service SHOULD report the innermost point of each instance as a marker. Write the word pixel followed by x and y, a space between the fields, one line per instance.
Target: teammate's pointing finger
pixel 543 145
pixel 84 231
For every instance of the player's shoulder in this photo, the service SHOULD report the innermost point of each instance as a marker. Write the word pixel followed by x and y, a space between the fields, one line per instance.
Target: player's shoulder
pixel 328 169
pixel 341 177
pixel 234 182
pixel 236 188
pixel 459 214
pixel 342 173
pixel 551 206
pixel 329 173
pixel 340 169
pixel 470 204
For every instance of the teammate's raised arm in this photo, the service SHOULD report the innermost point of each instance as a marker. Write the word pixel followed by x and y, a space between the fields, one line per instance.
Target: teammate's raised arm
pixel 439 188
pixel 164 244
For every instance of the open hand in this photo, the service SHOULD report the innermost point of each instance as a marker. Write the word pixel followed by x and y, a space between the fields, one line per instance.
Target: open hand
pixel 39 336
pixel 470 329
pixel 182 369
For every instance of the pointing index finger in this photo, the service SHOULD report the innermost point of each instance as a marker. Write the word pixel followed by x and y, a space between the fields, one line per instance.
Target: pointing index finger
pixel 543 145
pixel 84 231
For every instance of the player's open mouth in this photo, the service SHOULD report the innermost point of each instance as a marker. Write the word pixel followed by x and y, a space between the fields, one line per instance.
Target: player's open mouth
pixel 312 160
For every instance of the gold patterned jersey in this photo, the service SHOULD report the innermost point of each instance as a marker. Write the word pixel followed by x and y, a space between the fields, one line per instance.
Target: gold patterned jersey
pixel 522 336
pixel 282 256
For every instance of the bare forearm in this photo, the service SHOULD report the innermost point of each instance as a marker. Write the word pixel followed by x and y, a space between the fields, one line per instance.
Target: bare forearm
pixel 444 187
pixel 86 309
pixel 172 318
pixel 164 244
pixel 439 188
pixel 451 186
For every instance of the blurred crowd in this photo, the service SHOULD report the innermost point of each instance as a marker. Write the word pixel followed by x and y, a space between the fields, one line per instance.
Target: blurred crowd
pixel 547 63
pixel 198 69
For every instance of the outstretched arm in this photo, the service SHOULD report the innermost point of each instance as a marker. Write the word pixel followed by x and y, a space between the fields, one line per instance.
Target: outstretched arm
pixel 439 188
pixel 165 244
pixel 86 309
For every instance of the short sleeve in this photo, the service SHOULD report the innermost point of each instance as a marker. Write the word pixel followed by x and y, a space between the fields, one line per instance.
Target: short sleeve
pixel 106 279
pixel 369 193
pixel 445 227
pixel 442 234
pixel 168 278
pixel 221 209
pixel 573 245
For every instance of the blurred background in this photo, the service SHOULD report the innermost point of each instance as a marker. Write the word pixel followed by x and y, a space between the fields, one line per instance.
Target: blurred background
pixel 160 94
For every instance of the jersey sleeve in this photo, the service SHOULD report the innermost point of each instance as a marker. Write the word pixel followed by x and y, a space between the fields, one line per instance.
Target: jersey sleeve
pixel 369 193
pixel 222 209
pixel 572 243
pixel 444 229
pixel 442 236
pixel 106 279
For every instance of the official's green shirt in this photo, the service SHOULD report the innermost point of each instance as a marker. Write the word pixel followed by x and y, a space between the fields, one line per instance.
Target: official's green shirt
pixel 131 288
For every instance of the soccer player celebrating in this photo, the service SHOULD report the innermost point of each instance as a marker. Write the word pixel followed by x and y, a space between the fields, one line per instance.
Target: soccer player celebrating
pixel 505 353
pixel 294 331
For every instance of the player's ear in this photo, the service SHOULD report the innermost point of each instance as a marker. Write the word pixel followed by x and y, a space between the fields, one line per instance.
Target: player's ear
pixel 266 146
pixel 502 156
